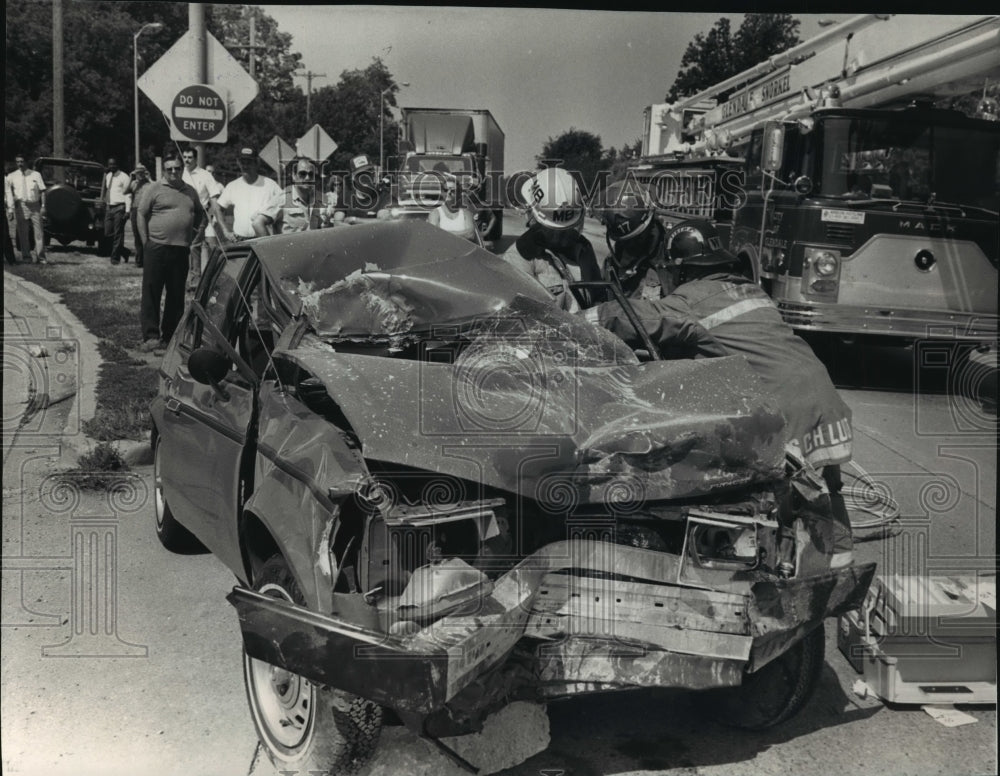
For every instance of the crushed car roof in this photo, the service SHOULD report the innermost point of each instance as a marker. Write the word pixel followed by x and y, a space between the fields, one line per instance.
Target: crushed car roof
pixel 388 277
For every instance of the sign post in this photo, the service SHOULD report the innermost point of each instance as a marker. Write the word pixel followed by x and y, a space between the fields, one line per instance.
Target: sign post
pixel 315 144
pixel 198 114
pixel 275 154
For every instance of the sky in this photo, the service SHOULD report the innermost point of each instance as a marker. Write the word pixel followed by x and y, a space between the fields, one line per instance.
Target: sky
pixel 538 71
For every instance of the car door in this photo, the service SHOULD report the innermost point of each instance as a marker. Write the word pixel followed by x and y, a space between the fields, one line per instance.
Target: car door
pixel 208 432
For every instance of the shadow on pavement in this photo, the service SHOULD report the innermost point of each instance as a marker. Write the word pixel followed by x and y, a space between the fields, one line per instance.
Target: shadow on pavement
pixel 926 367
pixel 661 730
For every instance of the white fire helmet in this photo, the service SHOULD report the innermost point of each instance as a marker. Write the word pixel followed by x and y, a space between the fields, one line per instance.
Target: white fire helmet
pixel 553 198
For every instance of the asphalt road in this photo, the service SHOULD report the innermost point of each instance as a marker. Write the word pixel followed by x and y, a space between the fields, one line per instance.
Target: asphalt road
pixel 146 677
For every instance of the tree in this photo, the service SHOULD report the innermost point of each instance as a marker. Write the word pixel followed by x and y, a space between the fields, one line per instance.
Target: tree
pixel 274 60
pixel 349 111
pixel 97 39
pixel 579 150
pixel 719 54
pixel 616 162
pixel 279 108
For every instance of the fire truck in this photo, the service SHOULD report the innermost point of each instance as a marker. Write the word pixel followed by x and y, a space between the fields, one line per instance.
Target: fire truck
pixel 861 207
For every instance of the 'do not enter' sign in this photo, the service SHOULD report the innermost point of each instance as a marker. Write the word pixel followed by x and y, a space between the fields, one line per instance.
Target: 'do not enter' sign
pixel 198 114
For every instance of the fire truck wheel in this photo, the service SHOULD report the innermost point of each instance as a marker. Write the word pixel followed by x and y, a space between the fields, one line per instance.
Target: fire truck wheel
pixel 776 692
pixel 303 726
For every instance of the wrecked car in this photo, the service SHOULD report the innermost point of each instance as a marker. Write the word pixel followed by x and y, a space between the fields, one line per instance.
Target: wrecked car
pixel 439 493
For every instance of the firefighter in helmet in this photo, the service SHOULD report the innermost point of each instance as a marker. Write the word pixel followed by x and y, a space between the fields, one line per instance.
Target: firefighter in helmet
pixel 552 249
pixel 712 311
pixel 638 260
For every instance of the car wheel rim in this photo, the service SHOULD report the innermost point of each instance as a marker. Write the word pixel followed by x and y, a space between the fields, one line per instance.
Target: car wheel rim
pixel 158 501
pixel 282 702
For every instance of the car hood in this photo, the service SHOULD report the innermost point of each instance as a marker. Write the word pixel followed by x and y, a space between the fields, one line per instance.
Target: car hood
pixel 541 424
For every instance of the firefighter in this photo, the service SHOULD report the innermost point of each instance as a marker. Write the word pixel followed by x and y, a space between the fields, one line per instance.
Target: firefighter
pixel 552 249
pixel 711 311
pixel 637 241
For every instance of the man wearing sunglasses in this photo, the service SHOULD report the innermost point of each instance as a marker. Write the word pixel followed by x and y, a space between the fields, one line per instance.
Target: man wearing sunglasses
pixel 169 215
pixel 301 207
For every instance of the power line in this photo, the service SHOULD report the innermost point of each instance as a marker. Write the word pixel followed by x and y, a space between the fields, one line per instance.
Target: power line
pixel 309 75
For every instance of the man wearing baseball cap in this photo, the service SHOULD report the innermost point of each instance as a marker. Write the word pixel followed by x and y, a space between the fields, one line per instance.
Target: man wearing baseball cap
pixel 253 198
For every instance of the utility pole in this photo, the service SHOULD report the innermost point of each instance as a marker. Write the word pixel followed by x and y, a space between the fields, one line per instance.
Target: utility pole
pixel 58 114
pixel 252 48
pixel 309 75
pixel 253 45
pixel 199 67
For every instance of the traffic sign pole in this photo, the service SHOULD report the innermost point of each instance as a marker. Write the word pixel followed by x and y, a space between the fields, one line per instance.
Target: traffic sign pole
pixel 275 154
pixel 315 144
pixel 199 62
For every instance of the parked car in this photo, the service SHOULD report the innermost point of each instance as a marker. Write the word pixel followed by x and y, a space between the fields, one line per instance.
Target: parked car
pixel 73 207
pixel 439 493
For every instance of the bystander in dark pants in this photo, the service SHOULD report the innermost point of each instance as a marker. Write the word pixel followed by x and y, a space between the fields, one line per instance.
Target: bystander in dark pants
pixel 164 267
pixel 114 227
pixel 28 219
pixel 8 247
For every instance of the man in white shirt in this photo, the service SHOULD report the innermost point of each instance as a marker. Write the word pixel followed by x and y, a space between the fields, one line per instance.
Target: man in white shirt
pixel 114 193
pixel 24 197
pixel 203 182
pixel 254 198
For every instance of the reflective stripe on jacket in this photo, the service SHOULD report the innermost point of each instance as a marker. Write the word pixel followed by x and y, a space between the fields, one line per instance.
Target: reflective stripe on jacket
pixel 722 315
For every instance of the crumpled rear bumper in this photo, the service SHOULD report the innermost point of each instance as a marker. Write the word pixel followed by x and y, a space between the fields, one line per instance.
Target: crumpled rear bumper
pixel 636 635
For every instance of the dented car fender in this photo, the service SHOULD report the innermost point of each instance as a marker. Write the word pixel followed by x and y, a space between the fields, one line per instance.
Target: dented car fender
pixel 304 472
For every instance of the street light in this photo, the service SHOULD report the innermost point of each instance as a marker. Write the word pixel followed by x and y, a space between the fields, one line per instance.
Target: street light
pixel 135 79
pixel 381 125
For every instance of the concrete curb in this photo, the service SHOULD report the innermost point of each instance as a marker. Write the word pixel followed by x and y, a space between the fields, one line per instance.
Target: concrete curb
pixel 62 324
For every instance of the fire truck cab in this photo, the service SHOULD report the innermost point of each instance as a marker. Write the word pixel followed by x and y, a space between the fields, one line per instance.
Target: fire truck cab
pixel 862 209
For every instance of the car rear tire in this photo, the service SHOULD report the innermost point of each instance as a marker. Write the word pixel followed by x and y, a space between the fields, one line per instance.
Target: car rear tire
pixel 776 692
pixel 302 725
pixel 172 535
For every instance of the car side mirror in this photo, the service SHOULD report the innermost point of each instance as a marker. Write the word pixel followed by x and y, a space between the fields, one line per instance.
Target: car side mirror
pixel 209 367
